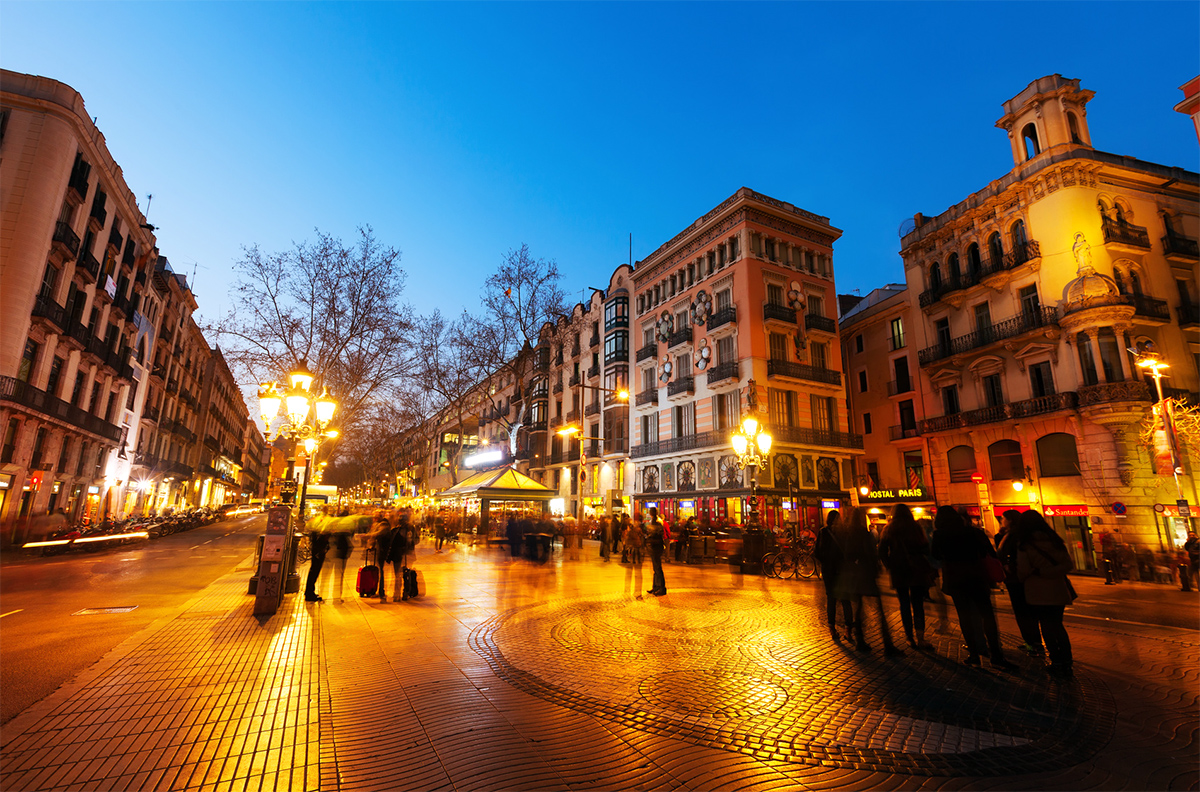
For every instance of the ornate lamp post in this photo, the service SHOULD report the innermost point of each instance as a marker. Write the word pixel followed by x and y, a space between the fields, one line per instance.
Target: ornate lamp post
pixel 1149 359
pixel 307 416
pixel 753 447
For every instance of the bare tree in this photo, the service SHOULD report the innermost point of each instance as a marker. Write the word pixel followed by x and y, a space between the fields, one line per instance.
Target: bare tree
pixel 449 368
pixel 335 307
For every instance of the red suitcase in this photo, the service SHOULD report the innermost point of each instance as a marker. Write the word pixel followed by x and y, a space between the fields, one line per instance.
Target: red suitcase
pixel 368 577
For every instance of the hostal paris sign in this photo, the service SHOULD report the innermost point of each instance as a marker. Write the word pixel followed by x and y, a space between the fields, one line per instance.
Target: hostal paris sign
pixel 915 494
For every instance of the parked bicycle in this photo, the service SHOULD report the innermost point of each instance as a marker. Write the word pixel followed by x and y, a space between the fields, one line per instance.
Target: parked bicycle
pixel 792 559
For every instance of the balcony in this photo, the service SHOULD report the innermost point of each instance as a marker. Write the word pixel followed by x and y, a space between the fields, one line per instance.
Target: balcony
pixel 592 409
pixel 558 387
pixel 992 270
pixel 593 371
pixel 722 317
pixel 1018 325
pixel 22 393
pixel 647 352
pixel 98 216
pixel 821 324
pixel 1002 412
pixel 65 241
pixel 646 397
pixel 573 452
pixel 150 413
pixel 575 380
pixel 572 417
pixel 898 386
pixel 722 372
pixel 541 363
pixel 780 313
pixel 1189 314
pixel 594 341
pixel 616 356
pixel 1180 249
pixel 817 437
pixel 79 183
pixel 785 368
pixel 682 336
pixel 1110 392
pixel 677 444
pixel 87 265
pixel 575 351
pixel 903 432
pixel 51 311
pixel 1125 235
pixel 684 385
pixel 1151 309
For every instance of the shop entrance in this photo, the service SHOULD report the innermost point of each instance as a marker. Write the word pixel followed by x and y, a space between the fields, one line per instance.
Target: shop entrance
pixel 1077 535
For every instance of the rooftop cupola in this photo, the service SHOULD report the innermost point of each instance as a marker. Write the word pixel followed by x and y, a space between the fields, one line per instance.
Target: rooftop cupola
pixel 1050 112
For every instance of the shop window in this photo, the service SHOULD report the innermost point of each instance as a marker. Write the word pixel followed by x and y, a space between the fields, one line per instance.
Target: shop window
pixel 1057 455
pixel 961 460
pixel 1004 457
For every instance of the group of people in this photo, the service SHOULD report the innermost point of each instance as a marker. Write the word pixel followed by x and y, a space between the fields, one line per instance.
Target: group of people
pixel 1028 557
pixel 392 537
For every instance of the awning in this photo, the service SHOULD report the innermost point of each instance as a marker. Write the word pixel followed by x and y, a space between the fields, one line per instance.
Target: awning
pixel 500 484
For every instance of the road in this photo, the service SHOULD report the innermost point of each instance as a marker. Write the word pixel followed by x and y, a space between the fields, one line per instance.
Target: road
pixel 44 645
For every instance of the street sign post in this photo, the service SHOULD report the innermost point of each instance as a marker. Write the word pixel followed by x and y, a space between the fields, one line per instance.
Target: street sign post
pixel 272 571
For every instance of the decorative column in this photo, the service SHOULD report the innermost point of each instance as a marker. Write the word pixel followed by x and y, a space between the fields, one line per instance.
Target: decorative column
pixel 1094 344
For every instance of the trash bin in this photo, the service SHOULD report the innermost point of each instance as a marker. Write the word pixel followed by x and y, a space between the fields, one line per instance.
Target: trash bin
pixel 695 553
pixel 710 549
pixel 754 547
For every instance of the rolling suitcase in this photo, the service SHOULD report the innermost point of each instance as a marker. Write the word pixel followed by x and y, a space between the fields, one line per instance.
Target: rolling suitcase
pixel 368 577
pixel 410 583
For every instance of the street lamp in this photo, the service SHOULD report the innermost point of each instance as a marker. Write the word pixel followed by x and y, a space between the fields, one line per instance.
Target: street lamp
pixel 1148 359
pixel 307 416
pixel 567 431
pixel 753 447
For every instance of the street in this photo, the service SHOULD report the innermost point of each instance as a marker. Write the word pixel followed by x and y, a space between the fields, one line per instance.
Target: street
pixel 44 645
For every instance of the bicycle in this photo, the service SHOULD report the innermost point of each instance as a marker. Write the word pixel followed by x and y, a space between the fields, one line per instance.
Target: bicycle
pixel 792 560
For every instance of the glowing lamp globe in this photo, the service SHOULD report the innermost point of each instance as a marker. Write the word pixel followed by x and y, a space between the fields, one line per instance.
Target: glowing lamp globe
pixel 740 442
pixel 326 407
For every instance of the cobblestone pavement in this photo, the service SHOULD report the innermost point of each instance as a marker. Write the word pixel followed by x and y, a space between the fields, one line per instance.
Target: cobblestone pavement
pixel 510 675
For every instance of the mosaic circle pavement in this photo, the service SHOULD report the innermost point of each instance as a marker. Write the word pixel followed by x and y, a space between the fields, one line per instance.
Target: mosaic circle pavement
pixel 757 673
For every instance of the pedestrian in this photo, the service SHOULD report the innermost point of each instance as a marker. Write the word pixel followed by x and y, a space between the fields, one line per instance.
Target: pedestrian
pixel 513 532
pixel 656 539
pixel 961 548
pixel 319 542
pixel 401 543
pixel 633 546
pixel 857 578
pixel 1006 547
pixel 1042 565
pixel 605 537
pixel 904 551
pixel 829 554
pixel 1189 569
pixel 439 530
pixel 380 537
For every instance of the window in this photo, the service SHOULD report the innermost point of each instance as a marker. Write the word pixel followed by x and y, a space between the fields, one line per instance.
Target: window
pixel 1110 355
pixel 820 355
pixel 816 305
pixel 683 420
pixel 953 269
pixel 941 329
pixel 950 400
pixel 867 423
pixel 858 343
pixel 873 474
pixel 49 281
pixel 726 350
pixel 724 299
pixel 1041 380
pixel 650 428
pixel 824 413
pixel 648 335
pixel 935 276
pixel 903 382
pixel 55 376
pixel 993 395
pixel 1004 457
pixel 961 460
pixel 726 412
pixel 616 346
pixel 1028 296
pixel 1087 363
pixel 983 318
pixel 616 313
pixel 1018 235
pixel 908 415
pixel 897 330
pixel 862 382
pixel 1029 138
pixel 778 346
pixel 782 407
pixel 683 365
pixel 995 250
pixel 10 441
pixel 774 294
pixel 914 469
pixel 1073 126
pixel 28 358
pixel 649 379
pixel 974 262
pixel 616 379
pixel 1057 455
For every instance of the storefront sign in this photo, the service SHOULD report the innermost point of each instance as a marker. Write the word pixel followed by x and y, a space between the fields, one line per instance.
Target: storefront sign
pixel 491 456
pixel 917 493
pixel 1067 511
pixel 1184 509
pixel 831 504
pixel 687 504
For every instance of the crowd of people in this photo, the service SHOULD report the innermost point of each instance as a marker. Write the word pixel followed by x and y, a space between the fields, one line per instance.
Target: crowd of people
pixel 1028 557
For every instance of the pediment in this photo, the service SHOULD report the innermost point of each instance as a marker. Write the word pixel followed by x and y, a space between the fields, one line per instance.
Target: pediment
pixel 986 365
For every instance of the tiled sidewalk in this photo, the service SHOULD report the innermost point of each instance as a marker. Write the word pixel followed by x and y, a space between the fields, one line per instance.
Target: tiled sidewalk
pixel 510 675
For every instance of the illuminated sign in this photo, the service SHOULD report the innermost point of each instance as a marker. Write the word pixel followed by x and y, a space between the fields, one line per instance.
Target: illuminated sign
pixel 93 490
pixel 916 493
pixel 688 504
pixel 1067 511
pixel 831 504
pixel 484 458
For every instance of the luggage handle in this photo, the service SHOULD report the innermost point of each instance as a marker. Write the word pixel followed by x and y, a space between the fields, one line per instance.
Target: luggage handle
pixel 367 551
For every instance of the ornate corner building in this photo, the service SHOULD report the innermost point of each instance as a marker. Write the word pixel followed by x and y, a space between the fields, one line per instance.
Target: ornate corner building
pixel 1025 299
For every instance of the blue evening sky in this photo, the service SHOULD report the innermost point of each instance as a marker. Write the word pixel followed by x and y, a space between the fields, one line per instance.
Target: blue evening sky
pixel 459 131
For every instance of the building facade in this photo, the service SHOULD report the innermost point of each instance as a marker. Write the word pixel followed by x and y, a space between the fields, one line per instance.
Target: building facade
pixel 1026 298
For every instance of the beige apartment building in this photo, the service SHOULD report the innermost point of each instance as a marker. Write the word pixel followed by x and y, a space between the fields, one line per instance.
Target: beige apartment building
pixel 1025 299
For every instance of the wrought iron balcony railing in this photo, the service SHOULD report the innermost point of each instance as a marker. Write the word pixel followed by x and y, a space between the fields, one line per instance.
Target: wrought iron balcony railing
pixel 1009 328
pixel 786 368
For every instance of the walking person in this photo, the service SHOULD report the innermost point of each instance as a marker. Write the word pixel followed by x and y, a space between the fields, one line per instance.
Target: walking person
pixel 904 551
pixel 400 544
pixel 380 537
pixel 633 546
pixel 342 529
pixel 605 537
pixel 857 578
pixel 1189 568
pixel 1006 547
pixel 1042 565
pixel 656 539
pixel 961 548
pixel 829 555
pixel 439 531
pixel 319 541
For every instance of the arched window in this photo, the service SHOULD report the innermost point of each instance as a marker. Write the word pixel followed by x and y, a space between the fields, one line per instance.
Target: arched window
pixel 141 353
pixel 1086 361
pixel 1017 234
pixel 1030 137
pixel 1073 125
pixel 996 250
pixel 1004 457
pixel 974 261
pixel 961 460
pixel 953 270
pixel 1057 455
pixel 935 276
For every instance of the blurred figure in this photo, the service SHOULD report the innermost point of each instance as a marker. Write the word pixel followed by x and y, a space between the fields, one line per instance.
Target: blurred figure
pixel 380 537
pixel 342 529
pixel 829 555
pixel 857 578
pixel 939 601
pixel 656 539
pixel 633 543
pixel 1042 565
pixel 605 537
pixel 961 549
pixel 1189 568
pixel 905 553
pixel 439 531
pixel 1006 546
pixel 319 539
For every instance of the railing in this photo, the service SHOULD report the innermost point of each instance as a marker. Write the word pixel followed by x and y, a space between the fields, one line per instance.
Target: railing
pixel 1002 412
pixel 44 307
pixel 575 380
pixel 898 386
pixel 616 356
pixel 79 181
pixel 87 263
pixel 1010 328
pixel 558 387
pixel 575 351
pixel 822 323
pixel 818 437
pixel 781 313
pixel 573 452
pixel 1096 302
pixel 676 444
pixel 66 237
pixel 1020 254
pixel 592 409
pixel 646 352
pixel 159 371
pixel 786 368
pixel 594 341
pixel 1189 314
pixel 594 371
pixel 682 336
pixel 1151 308
pixel 901 432
pixel 681 385
pixel 150 413
pixel 572 416
pixel 722 318
pixel 1174 245
pixel 646 397
pixel 98 213
pixel 723 371
pixel 1125 233
pixel 18 392
pixel 1106 392
pixel 555 458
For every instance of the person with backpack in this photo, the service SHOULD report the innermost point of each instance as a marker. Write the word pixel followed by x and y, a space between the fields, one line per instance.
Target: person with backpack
pixel 829 555
pixel 1042 566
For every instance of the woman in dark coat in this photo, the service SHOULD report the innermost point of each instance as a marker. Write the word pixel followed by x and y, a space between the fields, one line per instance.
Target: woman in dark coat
pixel 657 541
pixel 829 554
pixel 1042 565
pixel 904 551
pixel 857 575
pixel 961 549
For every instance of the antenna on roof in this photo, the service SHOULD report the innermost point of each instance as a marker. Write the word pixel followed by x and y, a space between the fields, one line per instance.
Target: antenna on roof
pixel 630 250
